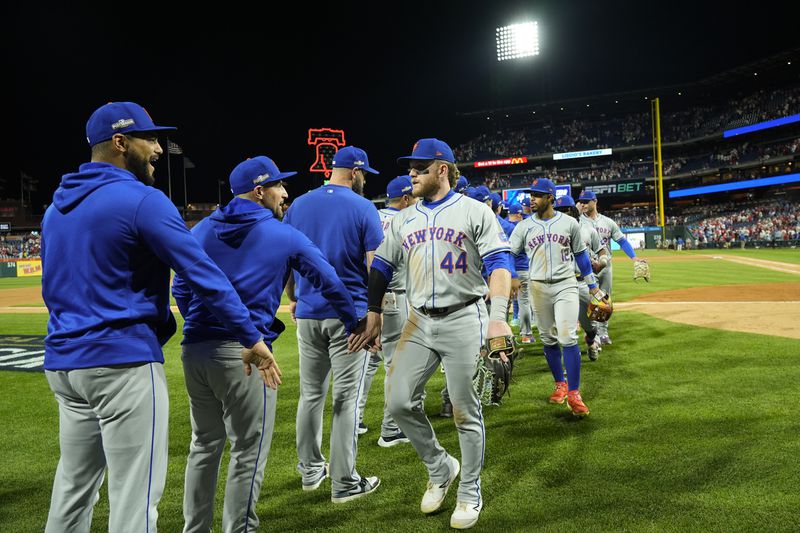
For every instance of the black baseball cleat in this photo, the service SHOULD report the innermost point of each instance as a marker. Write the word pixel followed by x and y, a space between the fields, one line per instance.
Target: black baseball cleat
pixel 447 410
pixel 364 487
pixel 394 440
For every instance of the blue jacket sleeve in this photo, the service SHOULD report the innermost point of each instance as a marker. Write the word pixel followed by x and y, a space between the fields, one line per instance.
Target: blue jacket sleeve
pixel 309 261
pixel 160 227
pixel 383 266
pixel 627 248
pixel 182 294
pixel 585 264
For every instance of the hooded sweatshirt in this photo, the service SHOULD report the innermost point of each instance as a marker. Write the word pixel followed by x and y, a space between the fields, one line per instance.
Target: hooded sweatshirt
pixel 257 253
pixel 108 243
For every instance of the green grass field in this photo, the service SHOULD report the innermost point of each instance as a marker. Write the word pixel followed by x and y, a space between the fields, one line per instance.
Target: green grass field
pixel 692 429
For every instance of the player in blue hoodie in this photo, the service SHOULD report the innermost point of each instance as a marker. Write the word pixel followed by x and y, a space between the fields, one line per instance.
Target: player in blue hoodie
pixel 257 252
pixel 108 243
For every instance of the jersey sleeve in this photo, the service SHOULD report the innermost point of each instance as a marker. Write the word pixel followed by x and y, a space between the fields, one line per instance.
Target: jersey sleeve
pixel 575 236
pixel 372 230
pixel 518 240
pixel 390 250
pixel 616 233
pixel 489 235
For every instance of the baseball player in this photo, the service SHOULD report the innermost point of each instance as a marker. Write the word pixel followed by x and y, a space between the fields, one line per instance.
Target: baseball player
pixel 443 241
pixel 257 253
pixel 591 240
pixel 109 240
pixel 395 314
pixel 607 229
pixel 461 185
pixel 551 240
pixel 523 295
pixel 526 207
pixel 346 227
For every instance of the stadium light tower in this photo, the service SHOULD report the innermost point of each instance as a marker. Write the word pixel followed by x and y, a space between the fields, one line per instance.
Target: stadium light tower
pixel 518 40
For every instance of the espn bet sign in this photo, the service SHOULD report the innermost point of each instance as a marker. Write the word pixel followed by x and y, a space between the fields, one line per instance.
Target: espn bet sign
pixel 618 187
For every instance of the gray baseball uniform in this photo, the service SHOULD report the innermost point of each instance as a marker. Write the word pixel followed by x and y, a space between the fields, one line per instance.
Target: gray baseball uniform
pixel 443 245
pixel 550 245
pixel 395 314
pixel 607 229
pixel 591 241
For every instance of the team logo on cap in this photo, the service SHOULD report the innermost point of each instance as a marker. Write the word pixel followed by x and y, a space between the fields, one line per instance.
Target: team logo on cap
pixel 439 153
pixel 415 147
pixel 406 188
pixel 359 163
pixel 536 182
pixel 260 179
pixel 123 123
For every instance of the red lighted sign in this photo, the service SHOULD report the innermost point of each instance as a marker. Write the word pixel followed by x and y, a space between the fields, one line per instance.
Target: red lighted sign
pixel 326 142
pixel 500 162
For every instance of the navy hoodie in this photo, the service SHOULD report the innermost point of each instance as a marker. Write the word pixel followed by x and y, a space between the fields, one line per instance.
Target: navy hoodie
pixel 108 243
pixel 257 253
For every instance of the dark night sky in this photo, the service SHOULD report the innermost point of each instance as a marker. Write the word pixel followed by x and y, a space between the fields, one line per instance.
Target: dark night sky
pixel 240 82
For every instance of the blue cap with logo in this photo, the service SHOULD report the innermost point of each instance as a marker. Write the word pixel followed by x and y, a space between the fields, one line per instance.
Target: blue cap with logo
pixel 399 186
pixel 543 185
pixel 526 201
pixel 483 193
pixel 258 170
pixel 461 184
pixel 429 149
pixel 586 196
pixel 119 117
pixel 514 209
pixel 565 201
pixel 352 157
pixel 496 200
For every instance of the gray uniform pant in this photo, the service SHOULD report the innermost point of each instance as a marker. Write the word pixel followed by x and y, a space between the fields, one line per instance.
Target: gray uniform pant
pixel 587 324
pixel 556 307
pixel 323 347
pixel 395 314
pixel 115 418
pixel 604 282
pixel 225 404
pixel 526 315
pixel 454 340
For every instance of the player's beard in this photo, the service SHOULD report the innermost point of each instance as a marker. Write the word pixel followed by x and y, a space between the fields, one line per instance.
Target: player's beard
pixel 358 184
pixel 427 186
pixel 541 206
pixel 140 167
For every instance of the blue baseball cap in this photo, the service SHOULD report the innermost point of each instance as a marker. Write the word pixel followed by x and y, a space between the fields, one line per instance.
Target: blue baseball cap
pixel 258 170
pixel 352 157
pixel 565 201
pixel 496 200
pixel 586 196
pixel 429 149
pixel 543 185
pixel 399 186
pixel 119 117
pixel 461 184
pixel 514 209
pixel 482 193
pixel 526 201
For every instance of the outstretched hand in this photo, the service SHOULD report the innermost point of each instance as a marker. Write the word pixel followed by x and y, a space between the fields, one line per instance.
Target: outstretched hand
pixel 367 334
pixel 261 356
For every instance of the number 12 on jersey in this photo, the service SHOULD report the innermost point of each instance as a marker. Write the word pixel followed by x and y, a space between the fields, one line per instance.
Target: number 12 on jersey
pixel 461 263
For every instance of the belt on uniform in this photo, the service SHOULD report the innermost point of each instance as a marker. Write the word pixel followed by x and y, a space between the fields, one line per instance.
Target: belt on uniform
pixel 551 282
pixel 389 291
pixel 439 311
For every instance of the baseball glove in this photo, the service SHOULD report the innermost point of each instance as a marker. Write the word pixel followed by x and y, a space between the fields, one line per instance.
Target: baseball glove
pixel 641 270
pixel 600 307
pixel 493 375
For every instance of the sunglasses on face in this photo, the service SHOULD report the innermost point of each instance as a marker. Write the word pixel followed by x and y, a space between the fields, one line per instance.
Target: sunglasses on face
pixel 421 168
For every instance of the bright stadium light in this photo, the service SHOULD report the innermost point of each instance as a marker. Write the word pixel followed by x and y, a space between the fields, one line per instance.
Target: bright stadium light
pixel 518 40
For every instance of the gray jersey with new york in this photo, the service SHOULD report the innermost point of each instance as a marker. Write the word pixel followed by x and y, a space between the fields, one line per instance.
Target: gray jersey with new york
pixel 606 228
pixel 591 241
pixel 443 245
pixel 549 244
pixel 398 282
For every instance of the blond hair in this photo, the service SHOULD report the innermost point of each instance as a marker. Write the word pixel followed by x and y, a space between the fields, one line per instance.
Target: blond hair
pixel 452 173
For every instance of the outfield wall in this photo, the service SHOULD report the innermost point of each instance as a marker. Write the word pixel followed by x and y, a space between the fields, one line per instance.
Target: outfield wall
pixel 20 268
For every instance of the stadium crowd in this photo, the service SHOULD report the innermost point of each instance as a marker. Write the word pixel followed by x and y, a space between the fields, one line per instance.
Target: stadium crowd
pixel 20 246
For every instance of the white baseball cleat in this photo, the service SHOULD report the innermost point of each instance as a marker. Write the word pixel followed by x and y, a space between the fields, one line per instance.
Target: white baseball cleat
pixel 322 476
pixel 605 339
pixel 435 493
pixel 466 515
pixel 394 440
pixel 362 428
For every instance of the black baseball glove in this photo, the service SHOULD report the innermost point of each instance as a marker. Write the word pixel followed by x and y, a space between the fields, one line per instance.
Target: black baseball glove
pixel 493 376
